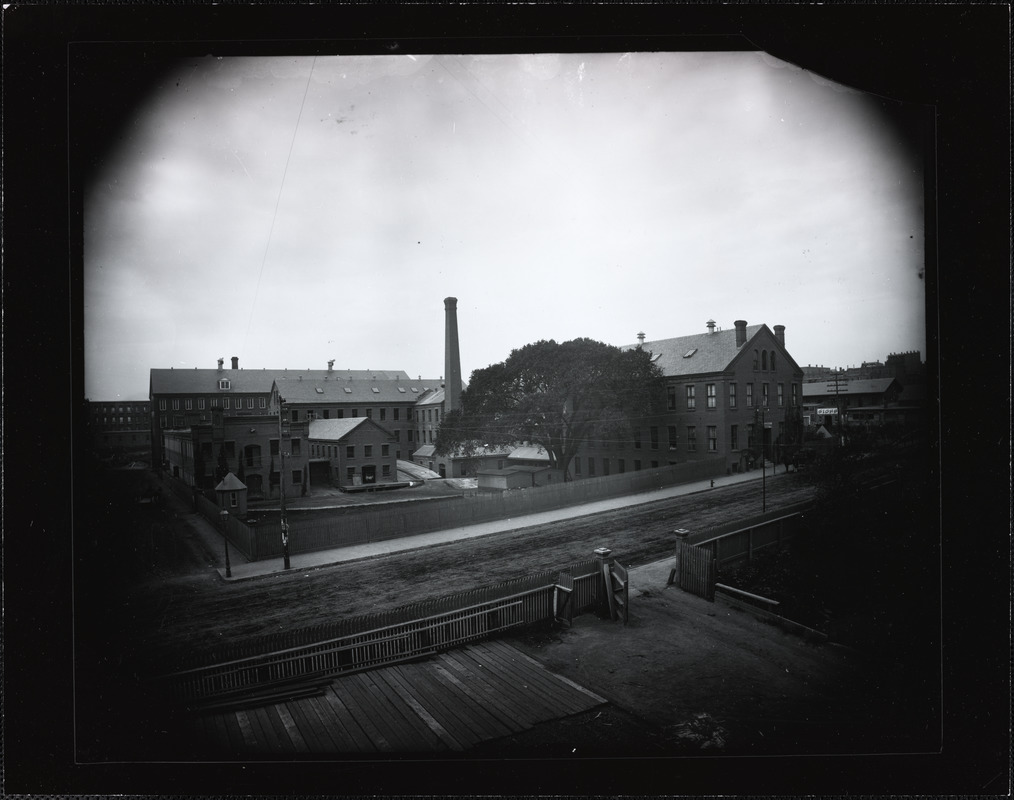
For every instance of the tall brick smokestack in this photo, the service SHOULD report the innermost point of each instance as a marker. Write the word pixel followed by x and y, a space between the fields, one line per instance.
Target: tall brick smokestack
pixel 452 359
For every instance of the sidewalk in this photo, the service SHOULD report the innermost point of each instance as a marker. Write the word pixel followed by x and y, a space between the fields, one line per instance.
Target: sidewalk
pixel 242 569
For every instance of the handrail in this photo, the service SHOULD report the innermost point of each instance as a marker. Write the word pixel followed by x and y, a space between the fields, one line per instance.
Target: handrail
pixel 740 592
pixel 323 645
pixel 747 528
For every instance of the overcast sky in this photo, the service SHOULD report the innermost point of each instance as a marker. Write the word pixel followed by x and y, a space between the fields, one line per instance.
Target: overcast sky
pixel 290 211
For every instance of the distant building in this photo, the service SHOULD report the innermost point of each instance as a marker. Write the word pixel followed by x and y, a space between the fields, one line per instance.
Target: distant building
pixel 517 477
pixel 716 385
pixel 205 420
pixel 351 452
pixel 391 402
pixel 119 426
pixel 858 403
pixel 248 446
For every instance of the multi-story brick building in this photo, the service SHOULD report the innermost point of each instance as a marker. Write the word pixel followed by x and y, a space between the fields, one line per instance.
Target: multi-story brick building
pixel 180 398
pixel 389 399
pixel 726 394
pixel 249 446
pixel 351 452
pixel 119 426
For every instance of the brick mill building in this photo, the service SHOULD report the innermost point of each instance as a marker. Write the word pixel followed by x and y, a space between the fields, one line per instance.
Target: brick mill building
pixel 715 386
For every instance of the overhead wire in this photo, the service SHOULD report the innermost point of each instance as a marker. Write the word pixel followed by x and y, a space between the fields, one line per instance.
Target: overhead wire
pixel 278 200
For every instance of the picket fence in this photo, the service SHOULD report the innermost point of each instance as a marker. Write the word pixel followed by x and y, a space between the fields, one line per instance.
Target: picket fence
pixel 371 641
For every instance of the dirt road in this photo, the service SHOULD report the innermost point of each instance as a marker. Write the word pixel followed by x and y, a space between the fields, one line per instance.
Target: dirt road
pixel 195 610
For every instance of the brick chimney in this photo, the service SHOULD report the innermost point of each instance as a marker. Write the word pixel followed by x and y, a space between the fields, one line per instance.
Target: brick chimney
pixel 330 365
pixel 740 332
pixel 452 358
pixel 235 362
pixel 640 338
pixel 221 361
pixel 711 326
pixel 780 334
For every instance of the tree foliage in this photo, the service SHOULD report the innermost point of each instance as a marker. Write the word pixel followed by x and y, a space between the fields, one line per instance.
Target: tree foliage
pixel 557 396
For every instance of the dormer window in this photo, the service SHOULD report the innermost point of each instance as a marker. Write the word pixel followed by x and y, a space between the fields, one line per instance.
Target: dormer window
pixel 225 383
pixel 318 390
pixel 348 390
pixel 689 353
pixel 376 390
pixel 401 389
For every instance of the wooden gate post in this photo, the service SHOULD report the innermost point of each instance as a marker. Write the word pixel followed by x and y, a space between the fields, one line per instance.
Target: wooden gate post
pixel 605 597
pixel 681 537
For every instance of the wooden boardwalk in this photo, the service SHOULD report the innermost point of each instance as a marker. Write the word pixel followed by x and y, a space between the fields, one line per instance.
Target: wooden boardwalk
pixel 449 702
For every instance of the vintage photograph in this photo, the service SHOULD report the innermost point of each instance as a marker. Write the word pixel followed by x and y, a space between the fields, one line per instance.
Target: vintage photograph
pixel 511 404
pixel 503 407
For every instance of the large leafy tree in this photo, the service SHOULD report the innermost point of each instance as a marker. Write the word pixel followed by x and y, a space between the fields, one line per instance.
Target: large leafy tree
pixel 557 396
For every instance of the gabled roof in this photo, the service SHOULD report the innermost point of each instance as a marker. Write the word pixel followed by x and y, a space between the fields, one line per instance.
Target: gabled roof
pixel 298 388
pixel 333 430
pixel 432 398
pixel 205 381
pixel 854 387
pixel 230 483
pixel 702 353
pixel 530 453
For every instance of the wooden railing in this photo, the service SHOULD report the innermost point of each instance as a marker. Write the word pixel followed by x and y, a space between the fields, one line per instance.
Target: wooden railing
pixel 377 641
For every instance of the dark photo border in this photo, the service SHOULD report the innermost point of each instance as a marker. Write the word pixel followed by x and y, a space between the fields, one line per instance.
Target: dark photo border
pixel 954 58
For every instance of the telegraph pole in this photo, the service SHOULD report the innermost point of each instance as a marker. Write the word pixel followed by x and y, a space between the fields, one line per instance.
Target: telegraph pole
pixel 281 482
pixel 838 384
pixel 764 478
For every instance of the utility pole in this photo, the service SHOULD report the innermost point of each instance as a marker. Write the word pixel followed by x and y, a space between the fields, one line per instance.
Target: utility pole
pixel 764 479
pixel 838 383
pixel 282 436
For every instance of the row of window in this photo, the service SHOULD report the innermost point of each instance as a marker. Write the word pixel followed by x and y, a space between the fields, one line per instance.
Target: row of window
pixel 711 395
pixel 227 402
pixel 350 472
pixel 331 451
pixel 102 409
pixel 691 438
pixel 621 466
pixel 325 413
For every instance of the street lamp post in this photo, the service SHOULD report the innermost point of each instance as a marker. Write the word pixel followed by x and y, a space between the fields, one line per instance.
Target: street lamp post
pixel 282 431
pixel 224 516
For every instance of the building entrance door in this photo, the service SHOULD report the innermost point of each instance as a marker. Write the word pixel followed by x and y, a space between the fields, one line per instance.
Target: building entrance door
pixel 369 474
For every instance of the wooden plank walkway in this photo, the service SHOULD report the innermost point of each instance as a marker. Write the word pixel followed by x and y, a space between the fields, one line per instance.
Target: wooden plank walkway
pixel 449 702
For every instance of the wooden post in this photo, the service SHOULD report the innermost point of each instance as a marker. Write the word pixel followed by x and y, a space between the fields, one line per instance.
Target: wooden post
pixel 602 554
pixel 681 536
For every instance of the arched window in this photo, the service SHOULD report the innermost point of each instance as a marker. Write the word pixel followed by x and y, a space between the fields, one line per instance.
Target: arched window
pixel 764 359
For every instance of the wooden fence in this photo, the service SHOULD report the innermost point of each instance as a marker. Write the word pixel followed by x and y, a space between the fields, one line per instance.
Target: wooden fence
pixel 373 641
pixel 696 570
pixel 741 539
pixel 698 558
pixel 395 520
pixel 399 519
